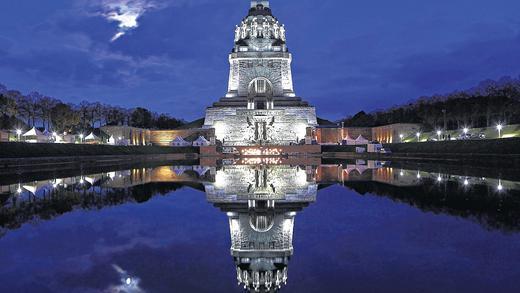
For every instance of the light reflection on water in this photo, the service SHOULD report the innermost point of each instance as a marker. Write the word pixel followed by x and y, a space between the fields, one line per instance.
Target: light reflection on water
pixel 261 199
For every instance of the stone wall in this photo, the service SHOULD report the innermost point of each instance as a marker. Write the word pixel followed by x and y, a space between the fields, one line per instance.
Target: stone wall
pixel 136 136
pixel 391 133
pixel 165 137
pixel 246 66
pixel 236 127
pixel 337 134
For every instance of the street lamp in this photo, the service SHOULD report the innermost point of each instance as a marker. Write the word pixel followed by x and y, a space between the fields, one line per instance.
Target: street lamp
pixel 418 134
pixel 401 137
pixel 465 130
pixel 439 135
pixel 499 128
pixel 81 138
pixel 18 133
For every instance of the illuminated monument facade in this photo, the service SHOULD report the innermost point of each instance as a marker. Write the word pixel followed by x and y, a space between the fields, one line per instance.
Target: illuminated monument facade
pixel 261 202
pixel 260 107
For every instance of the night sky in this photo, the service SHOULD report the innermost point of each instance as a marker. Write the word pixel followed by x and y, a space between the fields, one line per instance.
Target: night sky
pixel 171 55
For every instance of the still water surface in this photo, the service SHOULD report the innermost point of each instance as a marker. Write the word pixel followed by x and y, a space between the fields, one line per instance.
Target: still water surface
pixel 261 225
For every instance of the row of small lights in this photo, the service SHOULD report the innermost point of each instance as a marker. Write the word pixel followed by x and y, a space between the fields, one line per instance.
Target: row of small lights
pixel 56 185
pixel 500 187
pixel 257 161
pixel 499 127
pixel 261 152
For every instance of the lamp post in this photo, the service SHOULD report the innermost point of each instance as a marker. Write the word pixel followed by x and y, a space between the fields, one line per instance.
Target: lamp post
pixel 81 138
pixel 499 128
pixel 439 135
pixel 418 134
pixel 401 137
pixel 18 133
pixel 342 131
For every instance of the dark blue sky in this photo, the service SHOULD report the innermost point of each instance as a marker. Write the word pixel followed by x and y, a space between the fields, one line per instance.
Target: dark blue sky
pixel 347 55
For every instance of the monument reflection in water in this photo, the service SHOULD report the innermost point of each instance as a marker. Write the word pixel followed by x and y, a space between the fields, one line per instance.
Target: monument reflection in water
pixel 261 202
pixel 261 198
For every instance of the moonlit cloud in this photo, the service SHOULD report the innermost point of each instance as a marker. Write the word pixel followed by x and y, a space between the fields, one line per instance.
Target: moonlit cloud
pixel 126 13
pixel 128 283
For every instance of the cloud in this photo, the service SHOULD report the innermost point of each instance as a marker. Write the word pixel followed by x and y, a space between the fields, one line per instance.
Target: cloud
pixel 126 13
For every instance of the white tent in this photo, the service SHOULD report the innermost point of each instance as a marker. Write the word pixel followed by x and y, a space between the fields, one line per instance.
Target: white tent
pixel 112 140
pixel 201 170
pixel 179 170
pixel 349 140
pixel 201 141
pixel 91 136
pixel 361 140
pixel 179 141
pixel 33 132
pixel 34 135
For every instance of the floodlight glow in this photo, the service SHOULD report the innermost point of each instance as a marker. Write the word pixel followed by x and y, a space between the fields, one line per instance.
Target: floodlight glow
pixel 466 182
pixel 439 178
pixel 499 126
pixel 18 131
pixel 465 130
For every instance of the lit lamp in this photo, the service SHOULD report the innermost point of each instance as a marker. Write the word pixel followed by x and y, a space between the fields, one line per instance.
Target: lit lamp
pixel 401 137
pixel 500 187
pixel 465 130
pixel 81 138
pixel 439 134
pixel 18 133
pixel 499 128
pixel 418 134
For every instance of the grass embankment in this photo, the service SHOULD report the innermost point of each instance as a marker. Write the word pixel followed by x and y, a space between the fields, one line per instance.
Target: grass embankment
pixel 509 146
pixel 33 150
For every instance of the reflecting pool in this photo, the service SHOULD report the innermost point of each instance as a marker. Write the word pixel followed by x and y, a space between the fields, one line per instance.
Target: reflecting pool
pixel 262 225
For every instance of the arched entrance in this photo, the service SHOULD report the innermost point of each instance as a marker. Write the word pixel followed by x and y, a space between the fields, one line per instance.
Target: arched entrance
pixel 260 94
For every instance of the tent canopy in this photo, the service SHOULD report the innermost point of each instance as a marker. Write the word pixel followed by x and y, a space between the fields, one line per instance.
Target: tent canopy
pixel 179 139
pixel 201 141
pixel 361 139
pixel 33 132
pixel 91 136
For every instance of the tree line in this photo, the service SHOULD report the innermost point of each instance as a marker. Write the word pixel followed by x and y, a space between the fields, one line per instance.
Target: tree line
pixel 488 104
pixel 37 110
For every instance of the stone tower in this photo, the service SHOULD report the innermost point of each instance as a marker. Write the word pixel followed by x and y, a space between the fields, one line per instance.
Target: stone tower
pixel 260 106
